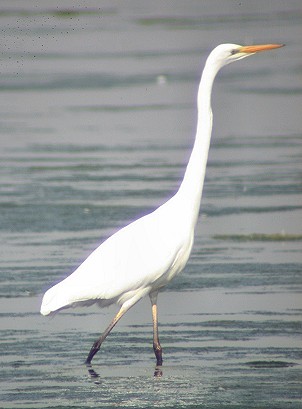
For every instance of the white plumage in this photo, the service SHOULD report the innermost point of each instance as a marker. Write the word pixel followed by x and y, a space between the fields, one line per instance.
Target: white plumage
pixel 129 264
pixel 144 256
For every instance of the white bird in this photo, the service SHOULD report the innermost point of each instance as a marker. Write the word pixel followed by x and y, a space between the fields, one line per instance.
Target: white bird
pixel 141 258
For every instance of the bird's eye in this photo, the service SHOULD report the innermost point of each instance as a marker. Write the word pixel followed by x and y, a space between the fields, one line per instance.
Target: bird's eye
pixel 234 51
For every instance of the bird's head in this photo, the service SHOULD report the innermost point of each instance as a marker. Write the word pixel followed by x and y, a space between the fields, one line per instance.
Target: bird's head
pixel 227 53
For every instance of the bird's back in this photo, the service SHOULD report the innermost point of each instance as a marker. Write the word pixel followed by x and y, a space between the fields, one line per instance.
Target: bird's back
pixel 141 257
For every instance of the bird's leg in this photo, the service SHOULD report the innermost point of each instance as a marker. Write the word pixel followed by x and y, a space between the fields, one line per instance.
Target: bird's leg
pixel 156 345
pixel 96 346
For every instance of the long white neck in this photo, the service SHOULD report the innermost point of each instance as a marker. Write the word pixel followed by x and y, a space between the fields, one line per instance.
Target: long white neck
pixel 190 190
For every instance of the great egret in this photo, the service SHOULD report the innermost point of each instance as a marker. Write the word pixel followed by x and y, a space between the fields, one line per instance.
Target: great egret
pixel 144 256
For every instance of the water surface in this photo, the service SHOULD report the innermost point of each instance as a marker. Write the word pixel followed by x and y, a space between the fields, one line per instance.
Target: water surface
pixel 97 121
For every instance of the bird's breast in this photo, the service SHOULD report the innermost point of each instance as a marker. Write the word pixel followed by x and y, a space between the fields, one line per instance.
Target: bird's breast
pixel 178 262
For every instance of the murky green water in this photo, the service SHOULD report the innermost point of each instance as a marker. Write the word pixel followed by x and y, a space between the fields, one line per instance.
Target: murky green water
pixel 97 121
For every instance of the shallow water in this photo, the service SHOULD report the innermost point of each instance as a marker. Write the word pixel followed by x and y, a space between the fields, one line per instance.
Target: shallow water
pixel 97 121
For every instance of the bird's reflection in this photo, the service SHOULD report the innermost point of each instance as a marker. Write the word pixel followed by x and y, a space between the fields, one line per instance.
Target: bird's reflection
pixel 95 377
pixel 93 374
pixel 158 373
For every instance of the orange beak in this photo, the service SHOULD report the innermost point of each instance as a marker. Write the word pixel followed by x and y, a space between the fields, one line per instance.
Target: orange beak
pixel 249 49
